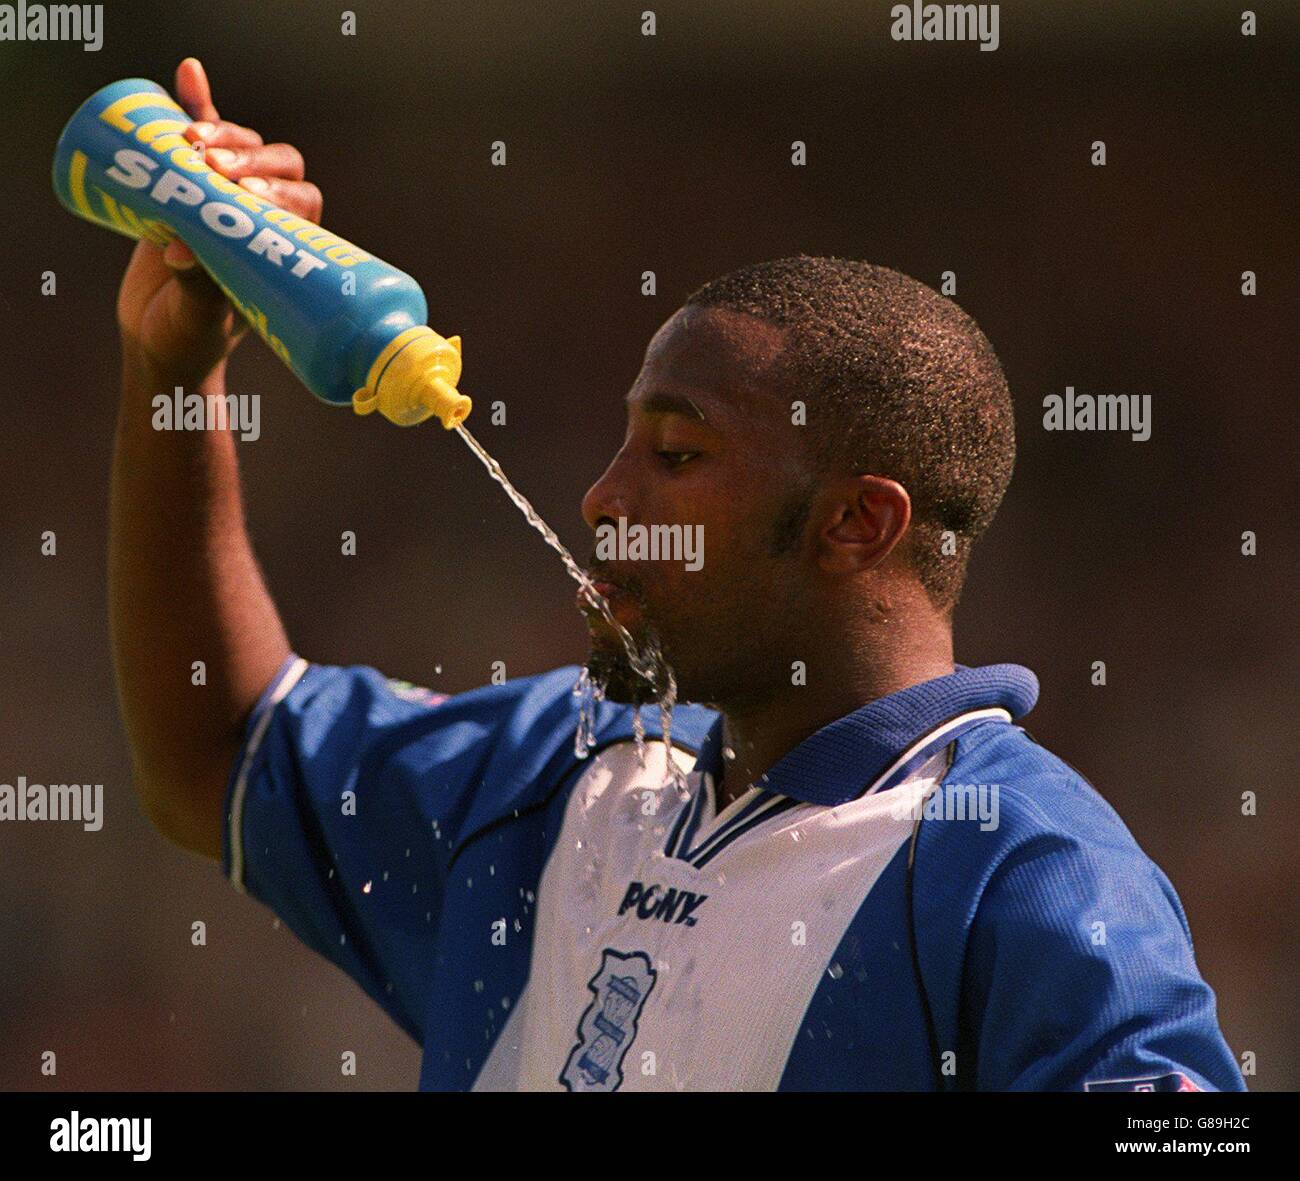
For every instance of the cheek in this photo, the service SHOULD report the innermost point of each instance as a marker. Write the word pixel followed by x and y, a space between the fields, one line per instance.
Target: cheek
pixel 727 525
pixel 714 556
pixel 720 571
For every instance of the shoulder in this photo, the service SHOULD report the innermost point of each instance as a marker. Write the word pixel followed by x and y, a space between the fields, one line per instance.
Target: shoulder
pixel 1042 834
pixel 516 742
pixel 521 710
pixel 1037 793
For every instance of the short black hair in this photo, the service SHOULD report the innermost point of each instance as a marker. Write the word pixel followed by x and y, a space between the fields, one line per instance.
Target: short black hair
pixel 898 381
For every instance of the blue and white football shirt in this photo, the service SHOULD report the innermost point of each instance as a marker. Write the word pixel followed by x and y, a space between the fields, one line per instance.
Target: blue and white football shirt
pixel 538 921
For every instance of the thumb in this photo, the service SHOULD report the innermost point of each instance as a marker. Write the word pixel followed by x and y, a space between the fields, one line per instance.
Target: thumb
pixel 198 294
pixel 193 91
pixel 178 256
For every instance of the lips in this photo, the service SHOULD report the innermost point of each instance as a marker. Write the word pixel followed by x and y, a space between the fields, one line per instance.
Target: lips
pixel 623 604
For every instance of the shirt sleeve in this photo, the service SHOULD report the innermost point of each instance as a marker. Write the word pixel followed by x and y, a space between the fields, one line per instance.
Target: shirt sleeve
pixel 348 797
pixel 1081 976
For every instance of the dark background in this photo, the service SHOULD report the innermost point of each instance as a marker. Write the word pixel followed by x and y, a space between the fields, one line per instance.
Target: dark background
pixel 672 154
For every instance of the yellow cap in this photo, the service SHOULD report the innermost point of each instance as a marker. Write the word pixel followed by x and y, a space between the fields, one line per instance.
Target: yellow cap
pixel 414 378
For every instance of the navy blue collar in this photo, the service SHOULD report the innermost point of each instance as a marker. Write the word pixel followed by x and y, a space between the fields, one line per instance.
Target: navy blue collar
pixel 844 758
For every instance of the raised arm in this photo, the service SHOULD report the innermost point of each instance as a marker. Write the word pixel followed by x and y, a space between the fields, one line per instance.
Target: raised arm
pixel 184 585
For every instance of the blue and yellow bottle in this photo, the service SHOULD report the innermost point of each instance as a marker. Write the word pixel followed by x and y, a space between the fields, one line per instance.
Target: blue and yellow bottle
pixel 350 326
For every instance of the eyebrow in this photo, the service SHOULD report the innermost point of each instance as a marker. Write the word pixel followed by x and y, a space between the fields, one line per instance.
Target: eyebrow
pixel 664 403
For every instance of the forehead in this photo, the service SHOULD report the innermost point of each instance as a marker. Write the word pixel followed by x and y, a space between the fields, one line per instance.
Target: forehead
pixel 719 359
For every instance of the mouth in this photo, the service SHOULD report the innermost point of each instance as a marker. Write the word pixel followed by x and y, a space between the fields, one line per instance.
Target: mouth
pixel 624 605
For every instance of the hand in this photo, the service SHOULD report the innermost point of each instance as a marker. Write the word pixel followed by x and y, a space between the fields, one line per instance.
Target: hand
pixel 172 317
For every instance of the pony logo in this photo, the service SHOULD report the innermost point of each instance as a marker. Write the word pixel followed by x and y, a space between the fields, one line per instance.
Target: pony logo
pixel 607 1028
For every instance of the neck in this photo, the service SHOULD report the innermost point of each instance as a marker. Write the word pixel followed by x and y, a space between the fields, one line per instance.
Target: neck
pixel 759 734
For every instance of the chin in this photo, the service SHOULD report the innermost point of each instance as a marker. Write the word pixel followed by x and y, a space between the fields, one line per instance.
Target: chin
pixel 610 670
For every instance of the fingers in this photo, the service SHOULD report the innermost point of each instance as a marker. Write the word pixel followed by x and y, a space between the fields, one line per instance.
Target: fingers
pixel 193 91
pixel 222 135
pixel 297 196
pixel 268 160
pixel 272 171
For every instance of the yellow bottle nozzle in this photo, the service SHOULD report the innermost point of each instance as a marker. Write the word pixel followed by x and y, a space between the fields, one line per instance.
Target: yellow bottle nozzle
pixel 414 378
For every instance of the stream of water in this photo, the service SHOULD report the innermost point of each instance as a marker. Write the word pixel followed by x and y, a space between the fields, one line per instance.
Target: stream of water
pixel 646 662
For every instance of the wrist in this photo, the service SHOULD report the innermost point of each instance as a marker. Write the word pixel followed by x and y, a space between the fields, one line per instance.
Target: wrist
pixel 142 371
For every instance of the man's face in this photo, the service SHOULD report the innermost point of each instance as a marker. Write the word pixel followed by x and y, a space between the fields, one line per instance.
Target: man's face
pixel 710 447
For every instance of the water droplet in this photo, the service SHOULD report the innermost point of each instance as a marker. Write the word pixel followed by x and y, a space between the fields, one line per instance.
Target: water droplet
pixel 835 971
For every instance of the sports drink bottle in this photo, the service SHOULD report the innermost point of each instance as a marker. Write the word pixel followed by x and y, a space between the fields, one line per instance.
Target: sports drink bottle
pixel 350 326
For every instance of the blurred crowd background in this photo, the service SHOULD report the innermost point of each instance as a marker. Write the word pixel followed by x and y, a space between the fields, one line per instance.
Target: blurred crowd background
pixel 671 153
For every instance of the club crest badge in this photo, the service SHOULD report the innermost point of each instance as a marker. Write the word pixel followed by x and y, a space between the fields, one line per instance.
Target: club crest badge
pixel 416 693
pixel 1163 1082
pixel 608 1026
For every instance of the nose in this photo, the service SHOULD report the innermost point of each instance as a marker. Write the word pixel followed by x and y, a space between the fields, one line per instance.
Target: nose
pixel 606 499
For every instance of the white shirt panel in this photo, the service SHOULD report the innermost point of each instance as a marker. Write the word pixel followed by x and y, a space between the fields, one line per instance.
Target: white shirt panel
pixel 709 991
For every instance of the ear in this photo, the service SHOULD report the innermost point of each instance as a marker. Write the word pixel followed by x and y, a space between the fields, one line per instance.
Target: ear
pixel 865 517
